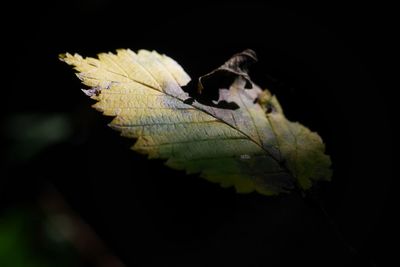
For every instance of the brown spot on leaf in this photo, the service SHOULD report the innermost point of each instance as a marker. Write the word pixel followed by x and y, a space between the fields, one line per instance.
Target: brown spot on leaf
pixel 92 91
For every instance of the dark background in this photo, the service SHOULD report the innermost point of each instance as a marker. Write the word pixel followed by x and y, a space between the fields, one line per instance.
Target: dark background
pixel 329 65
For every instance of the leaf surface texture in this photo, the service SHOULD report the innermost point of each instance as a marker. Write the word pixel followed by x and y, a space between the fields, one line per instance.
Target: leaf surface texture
pixel 249 144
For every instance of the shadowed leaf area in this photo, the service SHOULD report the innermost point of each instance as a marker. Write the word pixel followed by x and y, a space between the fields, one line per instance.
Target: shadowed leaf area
pixel 239 139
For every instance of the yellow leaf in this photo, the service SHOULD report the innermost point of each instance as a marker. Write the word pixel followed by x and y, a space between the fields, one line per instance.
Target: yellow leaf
pixel 245 147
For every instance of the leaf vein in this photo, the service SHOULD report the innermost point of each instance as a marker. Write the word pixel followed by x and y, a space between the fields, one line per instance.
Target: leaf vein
pixel 197 140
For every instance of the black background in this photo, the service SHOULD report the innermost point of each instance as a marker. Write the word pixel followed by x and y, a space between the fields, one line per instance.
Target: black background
pixel 329 65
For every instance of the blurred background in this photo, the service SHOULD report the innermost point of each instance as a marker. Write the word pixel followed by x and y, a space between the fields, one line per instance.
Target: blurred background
pixel 73 194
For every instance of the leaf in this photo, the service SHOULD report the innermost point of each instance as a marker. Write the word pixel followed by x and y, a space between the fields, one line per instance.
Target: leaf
pixel 243 139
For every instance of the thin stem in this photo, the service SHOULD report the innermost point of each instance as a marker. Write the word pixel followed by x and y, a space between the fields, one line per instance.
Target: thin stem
pixel 312 198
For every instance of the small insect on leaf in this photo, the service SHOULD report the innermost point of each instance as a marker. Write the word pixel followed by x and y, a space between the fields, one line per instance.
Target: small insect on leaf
pixel 240 139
